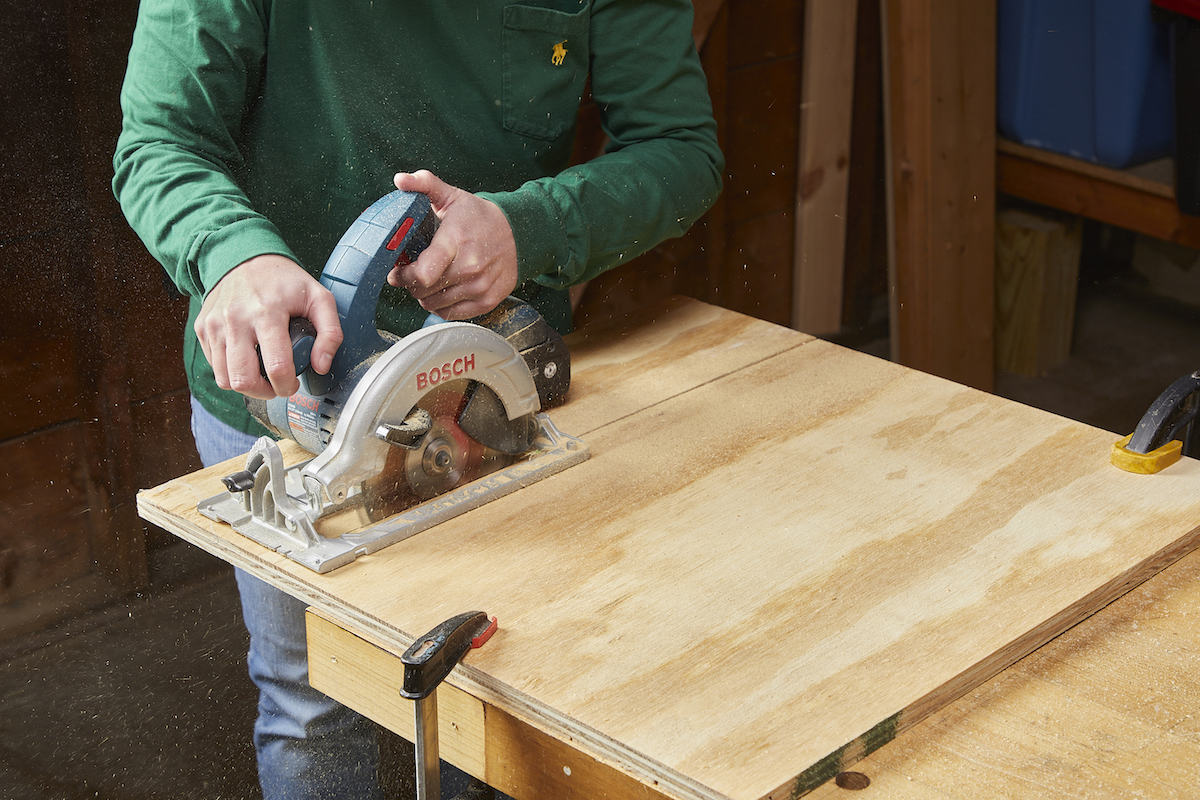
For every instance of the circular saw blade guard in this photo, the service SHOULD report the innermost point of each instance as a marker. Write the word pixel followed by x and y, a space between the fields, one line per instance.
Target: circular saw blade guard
pixel 394 384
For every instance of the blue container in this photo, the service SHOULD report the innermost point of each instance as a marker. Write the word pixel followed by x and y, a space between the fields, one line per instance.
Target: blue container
pixel 1086 78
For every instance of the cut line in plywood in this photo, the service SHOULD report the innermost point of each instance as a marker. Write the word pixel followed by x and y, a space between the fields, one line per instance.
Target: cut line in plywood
pixel 763 574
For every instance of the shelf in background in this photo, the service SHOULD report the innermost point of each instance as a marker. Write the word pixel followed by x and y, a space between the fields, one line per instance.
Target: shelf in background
pixel 1140 199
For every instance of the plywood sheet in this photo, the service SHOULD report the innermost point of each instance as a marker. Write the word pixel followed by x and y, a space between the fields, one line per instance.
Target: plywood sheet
pixel 766 573
pixel 1106 711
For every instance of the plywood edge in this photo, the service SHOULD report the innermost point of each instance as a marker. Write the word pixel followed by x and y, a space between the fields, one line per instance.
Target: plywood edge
pixel 891 727
pixel 523 710
pixel 172 506
pixel 1083 710
pixel 529 719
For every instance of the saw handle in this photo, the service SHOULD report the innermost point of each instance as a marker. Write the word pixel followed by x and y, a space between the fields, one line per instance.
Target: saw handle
pixel 392 232
pixel 303 334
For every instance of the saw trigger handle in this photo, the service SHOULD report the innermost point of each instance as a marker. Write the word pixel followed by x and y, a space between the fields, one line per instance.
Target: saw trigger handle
pixel 303 334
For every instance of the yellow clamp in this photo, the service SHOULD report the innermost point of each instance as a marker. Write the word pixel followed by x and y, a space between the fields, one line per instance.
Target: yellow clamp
pixel 1145 463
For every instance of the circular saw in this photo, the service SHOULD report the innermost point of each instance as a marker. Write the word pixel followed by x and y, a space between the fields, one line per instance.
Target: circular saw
pixel 406 432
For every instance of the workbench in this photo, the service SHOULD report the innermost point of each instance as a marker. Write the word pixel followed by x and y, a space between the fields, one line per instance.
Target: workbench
pixel 781 556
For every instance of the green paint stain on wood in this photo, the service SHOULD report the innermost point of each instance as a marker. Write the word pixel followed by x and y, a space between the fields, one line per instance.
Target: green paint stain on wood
pixel 880 735
pixel 818 773
pixel 829 766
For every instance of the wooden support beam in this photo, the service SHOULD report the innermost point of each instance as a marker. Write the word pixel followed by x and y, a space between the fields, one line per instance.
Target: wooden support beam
pixel 1126 198
pixel 940 87
pixel 482 740
pixel 827 102
pixel 1037 274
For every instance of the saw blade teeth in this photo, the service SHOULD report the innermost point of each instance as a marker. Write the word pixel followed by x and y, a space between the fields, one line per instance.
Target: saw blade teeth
pixel 442 456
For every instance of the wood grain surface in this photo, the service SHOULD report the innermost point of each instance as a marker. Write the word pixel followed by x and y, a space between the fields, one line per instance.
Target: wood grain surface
pixel 1106 711
pixel 780 554
pixel 940 101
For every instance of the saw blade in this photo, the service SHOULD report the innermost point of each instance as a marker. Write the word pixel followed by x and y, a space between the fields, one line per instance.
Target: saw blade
pixel 444 459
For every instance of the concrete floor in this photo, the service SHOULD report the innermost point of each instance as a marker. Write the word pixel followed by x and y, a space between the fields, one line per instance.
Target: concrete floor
pixel 149 698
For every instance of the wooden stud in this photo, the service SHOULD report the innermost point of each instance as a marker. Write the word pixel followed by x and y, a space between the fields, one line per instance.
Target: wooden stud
pixel 827 101
pixel 940 88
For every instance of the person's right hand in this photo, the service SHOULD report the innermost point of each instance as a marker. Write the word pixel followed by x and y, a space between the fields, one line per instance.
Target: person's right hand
pixel 252 305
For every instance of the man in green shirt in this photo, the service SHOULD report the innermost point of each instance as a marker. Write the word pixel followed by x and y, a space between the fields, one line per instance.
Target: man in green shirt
pixel 256 131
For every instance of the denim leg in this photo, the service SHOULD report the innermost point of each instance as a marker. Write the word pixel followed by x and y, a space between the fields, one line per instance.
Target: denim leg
pixel 308 745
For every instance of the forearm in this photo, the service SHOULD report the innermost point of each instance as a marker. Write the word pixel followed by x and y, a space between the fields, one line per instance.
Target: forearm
pixel 195 221
pixel 586 220
pixel 183 101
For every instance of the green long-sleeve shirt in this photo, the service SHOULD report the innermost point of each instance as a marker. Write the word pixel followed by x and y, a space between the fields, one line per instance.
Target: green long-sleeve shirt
pixel 258 127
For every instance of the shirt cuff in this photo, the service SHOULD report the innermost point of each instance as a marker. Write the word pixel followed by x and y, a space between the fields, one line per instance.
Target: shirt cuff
pixel 217 252
pixel 543 252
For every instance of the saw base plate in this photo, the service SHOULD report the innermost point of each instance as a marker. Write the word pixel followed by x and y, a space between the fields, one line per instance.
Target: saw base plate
pixel 553 452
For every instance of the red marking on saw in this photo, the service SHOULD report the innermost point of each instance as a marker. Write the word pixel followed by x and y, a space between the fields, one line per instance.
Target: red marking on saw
pixel 400 233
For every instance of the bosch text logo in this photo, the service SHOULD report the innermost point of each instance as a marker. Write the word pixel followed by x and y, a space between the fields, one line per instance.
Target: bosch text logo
pixel 304 401
pixel 451 369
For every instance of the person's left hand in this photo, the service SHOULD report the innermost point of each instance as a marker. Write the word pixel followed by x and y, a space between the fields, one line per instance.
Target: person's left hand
pixel 471 264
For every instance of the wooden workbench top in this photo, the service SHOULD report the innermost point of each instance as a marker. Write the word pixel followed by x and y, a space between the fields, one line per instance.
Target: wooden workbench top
pixel 780 554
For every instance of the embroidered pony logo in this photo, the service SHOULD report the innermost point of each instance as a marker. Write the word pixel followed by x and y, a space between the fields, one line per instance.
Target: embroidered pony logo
pixel 560 52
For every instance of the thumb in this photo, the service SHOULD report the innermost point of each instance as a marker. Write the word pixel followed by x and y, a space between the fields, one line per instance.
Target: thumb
pixel 440 193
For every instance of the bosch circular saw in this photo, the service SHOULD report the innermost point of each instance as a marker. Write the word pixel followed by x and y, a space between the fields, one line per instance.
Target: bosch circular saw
pixel 406 432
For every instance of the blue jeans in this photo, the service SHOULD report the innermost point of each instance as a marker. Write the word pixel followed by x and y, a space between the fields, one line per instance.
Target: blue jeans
pixel 308 745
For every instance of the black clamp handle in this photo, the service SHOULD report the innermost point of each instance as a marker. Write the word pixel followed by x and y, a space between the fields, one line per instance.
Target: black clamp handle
pixel 431 658
pixel 1175 408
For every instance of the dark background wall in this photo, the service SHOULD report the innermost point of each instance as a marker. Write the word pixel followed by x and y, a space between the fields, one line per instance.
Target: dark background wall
pixel 96 401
